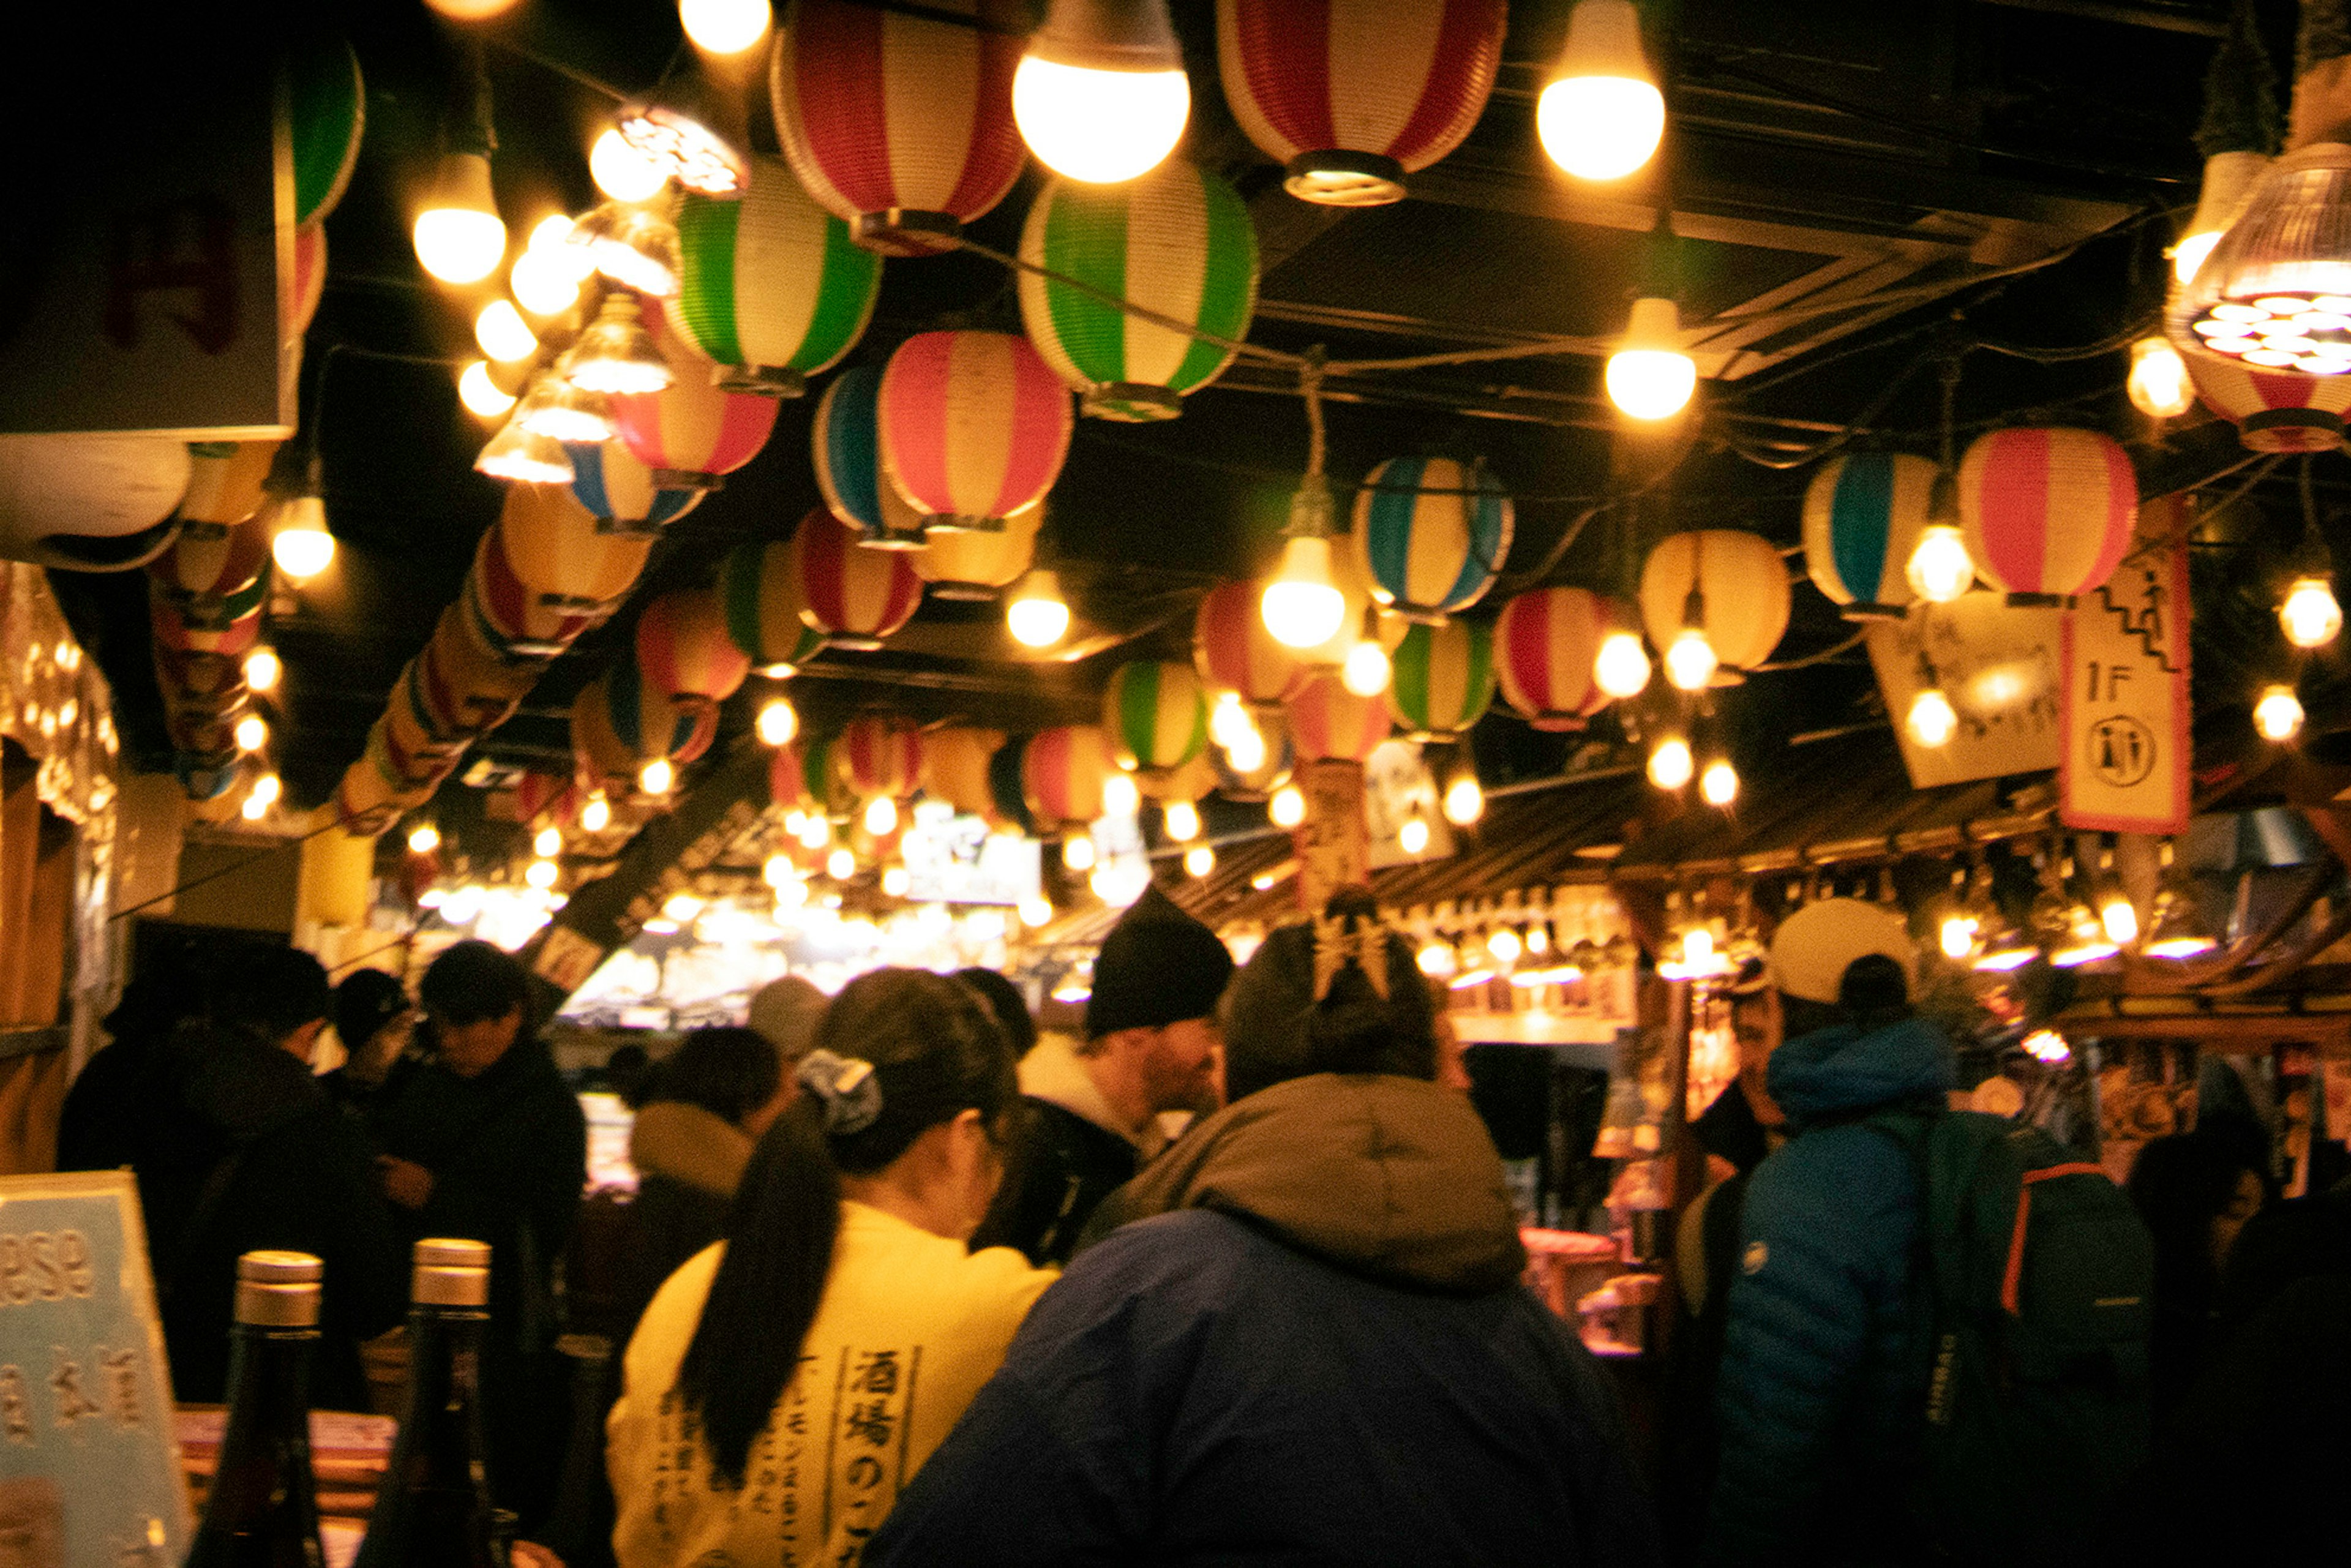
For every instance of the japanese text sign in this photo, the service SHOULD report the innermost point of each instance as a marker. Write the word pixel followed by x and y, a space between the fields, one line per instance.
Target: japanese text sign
pixel 1999 663
pixel 2124 766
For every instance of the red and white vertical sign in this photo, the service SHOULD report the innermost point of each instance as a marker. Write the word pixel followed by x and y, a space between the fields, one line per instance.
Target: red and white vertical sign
pixel 2124 713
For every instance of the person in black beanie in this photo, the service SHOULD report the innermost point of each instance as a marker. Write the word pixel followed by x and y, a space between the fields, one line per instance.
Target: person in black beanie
pixel 1090 1109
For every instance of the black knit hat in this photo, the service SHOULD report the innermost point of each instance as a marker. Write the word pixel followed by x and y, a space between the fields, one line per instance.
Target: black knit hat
pixel 1158 966
pixel 364 1003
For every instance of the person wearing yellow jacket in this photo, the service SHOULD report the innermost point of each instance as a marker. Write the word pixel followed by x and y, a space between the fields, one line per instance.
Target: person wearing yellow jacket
pixel 786 1383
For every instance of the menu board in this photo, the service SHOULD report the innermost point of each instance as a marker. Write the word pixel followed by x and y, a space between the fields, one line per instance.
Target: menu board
pixel 89 1470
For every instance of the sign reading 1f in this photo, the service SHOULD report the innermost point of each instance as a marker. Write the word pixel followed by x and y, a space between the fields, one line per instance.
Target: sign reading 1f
pixel 2125 764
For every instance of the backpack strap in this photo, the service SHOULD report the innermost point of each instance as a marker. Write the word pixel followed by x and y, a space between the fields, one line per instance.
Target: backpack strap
pixel 2012 1279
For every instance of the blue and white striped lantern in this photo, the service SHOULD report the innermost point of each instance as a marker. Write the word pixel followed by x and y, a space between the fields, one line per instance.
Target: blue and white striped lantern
pixel 1863 516
pixel 846 443
pixel 618 489
pixel 1431 534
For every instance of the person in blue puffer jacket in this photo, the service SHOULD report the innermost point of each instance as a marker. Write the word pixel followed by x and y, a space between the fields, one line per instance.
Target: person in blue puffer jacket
pixel 1824 1380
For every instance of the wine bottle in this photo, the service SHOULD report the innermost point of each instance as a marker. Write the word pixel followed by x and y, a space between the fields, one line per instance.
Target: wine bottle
pixel 435 1508
pixel 263 1509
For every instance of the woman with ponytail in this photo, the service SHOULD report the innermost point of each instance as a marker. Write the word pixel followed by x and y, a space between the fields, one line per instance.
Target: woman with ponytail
pixel 787 1382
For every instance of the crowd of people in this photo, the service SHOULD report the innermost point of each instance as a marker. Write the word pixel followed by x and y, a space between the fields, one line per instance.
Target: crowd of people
pixel 1231 1273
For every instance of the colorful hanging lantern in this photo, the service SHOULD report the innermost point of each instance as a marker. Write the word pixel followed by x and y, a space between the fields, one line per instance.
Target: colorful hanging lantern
pixel 2273 410
pixel 561 550
pixel 955 761
pixel 232 637
pixel 206 566
pixel 692 434
pixel 854 597
pixel 1863 516
pixel 1234 651
pixel 771 286
pixel 462 676
pixel 1349 96
pixel 1177 241
pixel 206 777
pixel 1191 782
pixel 1431 533
pixel 898 124
pixel 1154 715
pixel 309 282
pixel 328 99
pixel 1061 774
pixel 2047 513
pixel 227 480
pixel 801 777
pixel 1543 646
pixel 619 724
pixel 761 591
pixel 513 620
pixel 369 795
pixel 846 442
pixel 962 565
pixel 1328 721
pixel 1743 593
pixel 879 754
pixel 1007 769
pixel 683 650
pixel 1443 677
pixel 974 426
pixel 620 493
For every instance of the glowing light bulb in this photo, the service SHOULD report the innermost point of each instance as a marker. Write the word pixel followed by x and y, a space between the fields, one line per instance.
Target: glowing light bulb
pixel 1287 806
pixel 1413 836
pixel 1940 569
pixel 2159 384
pixel 816 832
pixel 548 842
pixel 262 670
pixel 1100 94
pixel 302 547
pixel 253 809
pixel 724 27
pixel 1698 948
pixel 1078 851
pixel 1302 606
pixel 1120 797
pixel 1246 751
pixel 778 723
pixel 542 282
pixel 459 236
pixel 840 865
pixel 2120 918
pixel 1036 911
pixel 1366 671
pixel 1601 116
pixel 656 777
pixel 1621 668
pixel 1199 859
pixel 1437 959
pixel 1036 615
pixel 1670 763
pixel 502 332
pixel 681 907
pixel 1227 719
pixel 424 839
pixel 597 814
pixel 1958 936
pixel 252 733
pixel 2310 614
pixel 880 816
pixel 1182 821
pixel 1719 785
pixel 540 874
pixel 1690 660
pixel 1932 721
pixel 1503 943
pixel 777 871
pixel 1649 377
pixel 266 790
pixel 481 396
pixel 895 880
pixel 2278 714
pixel 2229 178
pixel 622 173
pixel 1465 800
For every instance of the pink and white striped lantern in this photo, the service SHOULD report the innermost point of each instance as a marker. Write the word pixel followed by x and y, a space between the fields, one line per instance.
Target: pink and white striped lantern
pixel 854 597
pixel 2273 410
pixel 1349 96
pixel 899 124
pixel 975 426
pixel 1061 774
pixel 879 754
pixel 2047 512
pixel 1234 651
pixel 691 433
pixel 1544 647
pixel 1328 721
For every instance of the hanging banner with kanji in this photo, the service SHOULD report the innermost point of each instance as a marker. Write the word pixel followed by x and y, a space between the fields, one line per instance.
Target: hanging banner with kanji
pixel 2124 766
pixel 1997 663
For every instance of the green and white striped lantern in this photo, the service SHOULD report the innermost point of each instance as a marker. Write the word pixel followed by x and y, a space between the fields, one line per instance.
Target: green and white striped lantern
pixel 1178 242
pixel 1155 716
pixel 771 286
pixel 1444 676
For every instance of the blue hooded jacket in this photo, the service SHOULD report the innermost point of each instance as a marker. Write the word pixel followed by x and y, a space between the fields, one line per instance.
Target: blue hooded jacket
pixel 1825 1362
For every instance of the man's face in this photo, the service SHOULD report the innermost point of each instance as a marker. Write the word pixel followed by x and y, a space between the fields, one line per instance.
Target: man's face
pixel 1183 1066
pixel 471 1049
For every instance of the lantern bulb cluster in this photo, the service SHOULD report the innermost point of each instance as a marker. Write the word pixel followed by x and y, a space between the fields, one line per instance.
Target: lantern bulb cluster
pixel 1036 615
pixel 1940 569
pixel 1719 785
pixel 840 865
pixel 1413 836
pixel 777 721
pixel 1621 667
pixel 263 669
pixel 1101 96
pixel 880 816
pixel 656 777
pixel 616 354
pixel 1932 721
pixel 1671 765
pixel 301 545
pixel 1601 116
pixel 459 236
pixel 1199 859
pixel 548 842
pixel 622 173
pixel 1302 606
pixel 1690 660
pixel 597 814
pixel 724 27
pixel 1120 796
pixel 2277 714
pixel 424 839
pixel 1648 376
pixel 1287 806
pixel 1078 851
pixel 2310 614
pixel 1182 821
pixel 1366 671
pixel 2158 383
pixel 502 332
pixel 1465 800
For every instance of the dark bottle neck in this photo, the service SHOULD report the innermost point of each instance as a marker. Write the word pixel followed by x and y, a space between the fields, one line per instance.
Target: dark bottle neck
pixel 434 1505
pixel 263 1497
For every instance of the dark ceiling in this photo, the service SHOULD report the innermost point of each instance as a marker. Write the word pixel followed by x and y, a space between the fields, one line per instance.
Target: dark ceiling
pixel 1823 149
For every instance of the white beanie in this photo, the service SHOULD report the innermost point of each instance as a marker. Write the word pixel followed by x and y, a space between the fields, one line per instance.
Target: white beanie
pixel 1812 946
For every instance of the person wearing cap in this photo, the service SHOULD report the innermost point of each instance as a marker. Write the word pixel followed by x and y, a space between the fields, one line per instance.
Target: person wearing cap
pixel 1312 1342
pixel 1825 1362
pixel 1092 1108
pixel 371 1020
pixel 787 1012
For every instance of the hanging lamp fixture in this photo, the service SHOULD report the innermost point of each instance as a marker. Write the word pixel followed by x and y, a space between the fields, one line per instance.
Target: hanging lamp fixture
pixel 1100 95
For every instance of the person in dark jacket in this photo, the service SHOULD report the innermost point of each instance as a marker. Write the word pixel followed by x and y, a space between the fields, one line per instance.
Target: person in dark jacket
pixel 1268 1367
pixel 94 1124
pixel 1090 1110
pixel 2196 1192
pixel 243 1150
pixel 371 1019
pixel 484 1141
pixel 1823 1365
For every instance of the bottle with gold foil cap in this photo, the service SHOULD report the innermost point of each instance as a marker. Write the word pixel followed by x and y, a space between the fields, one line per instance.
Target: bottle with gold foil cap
pixel 434 1507
pixel 263 1509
